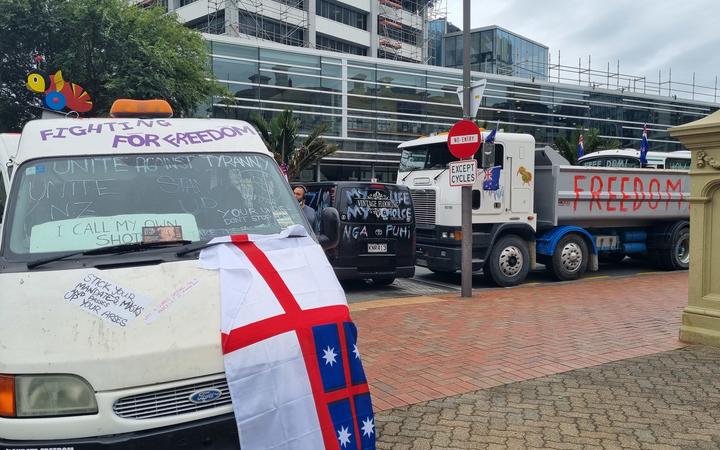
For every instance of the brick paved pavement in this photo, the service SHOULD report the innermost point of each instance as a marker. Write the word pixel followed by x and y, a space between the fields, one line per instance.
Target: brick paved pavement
pixel 668 400
pixel 418 349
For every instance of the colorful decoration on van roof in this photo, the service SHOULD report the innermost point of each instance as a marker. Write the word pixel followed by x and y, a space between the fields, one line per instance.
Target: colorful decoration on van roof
pixel 60 94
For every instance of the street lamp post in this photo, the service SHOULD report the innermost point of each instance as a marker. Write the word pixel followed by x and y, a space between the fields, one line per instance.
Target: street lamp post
pixel 466 196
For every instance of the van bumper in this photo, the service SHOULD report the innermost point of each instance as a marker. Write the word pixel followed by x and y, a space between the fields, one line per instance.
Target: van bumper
pixel 218 432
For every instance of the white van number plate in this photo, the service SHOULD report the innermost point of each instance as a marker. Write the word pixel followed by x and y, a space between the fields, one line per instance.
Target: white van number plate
pixel 377 248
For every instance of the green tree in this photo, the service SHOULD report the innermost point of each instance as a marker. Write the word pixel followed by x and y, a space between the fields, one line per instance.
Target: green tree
pixel 281 135
pixel 109 47
pixel 593 142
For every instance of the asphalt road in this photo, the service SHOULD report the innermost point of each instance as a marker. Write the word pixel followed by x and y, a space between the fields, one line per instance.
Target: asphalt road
pixel 427 283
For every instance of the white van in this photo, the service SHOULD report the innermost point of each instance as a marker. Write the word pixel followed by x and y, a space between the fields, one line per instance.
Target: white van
pixel 109 334
pixel 630 158
pixel 8 148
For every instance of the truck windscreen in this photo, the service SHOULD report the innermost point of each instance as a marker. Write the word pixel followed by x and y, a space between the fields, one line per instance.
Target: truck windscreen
pixel 677 163
pixel 81 203
pixel 431 156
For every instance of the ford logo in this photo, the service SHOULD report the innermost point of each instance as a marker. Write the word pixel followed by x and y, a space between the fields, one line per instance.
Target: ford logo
pixel 205 396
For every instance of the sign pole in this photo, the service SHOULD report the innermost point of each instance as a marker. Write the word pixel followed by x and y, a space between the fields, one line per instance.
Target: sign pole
pixel 466 197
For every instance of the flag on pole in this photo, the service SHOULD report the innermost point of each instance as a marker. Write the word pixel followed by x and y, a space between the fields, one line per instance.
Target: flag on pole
pixel 581 146
pixel 491 137
pixel 290 349
pixel 491 180
pixel 644 147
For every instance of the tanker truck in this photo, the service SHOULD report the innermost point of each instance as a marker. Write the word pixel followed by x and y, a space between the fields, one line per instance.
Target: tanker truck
pixel 531 206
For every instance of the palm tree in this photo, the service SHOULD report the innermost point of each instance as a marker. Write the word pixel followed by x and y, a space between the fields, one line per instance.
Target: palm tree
pixel 281 134
pixel 569 148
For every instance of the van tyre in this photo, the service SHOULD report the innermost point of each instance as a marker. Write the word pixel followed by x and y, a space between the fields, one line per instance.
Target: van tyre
pixel 383 281
pixel 570 259
pixel 677 257
pixel 509 261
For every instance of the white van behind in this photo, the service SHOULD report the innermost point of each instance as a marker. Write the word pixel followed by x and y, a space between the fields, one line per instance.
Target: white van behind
pixel 8 148
pixel 139 366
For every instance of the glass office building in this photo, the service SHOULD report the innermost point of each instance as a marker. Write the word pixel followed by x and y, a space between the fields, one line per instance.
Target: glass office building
pixel 497 50
pixel 371 105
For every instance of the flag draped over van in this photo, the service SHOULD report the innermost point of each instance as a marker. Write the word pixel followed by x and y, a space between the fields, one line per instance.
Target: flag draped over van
pixel 291 356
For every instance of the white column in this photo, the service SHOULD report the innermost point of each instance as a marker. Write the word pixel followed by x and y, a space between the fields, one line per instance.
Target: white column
pixel 373 28
pixel 311 27
pixel 344 84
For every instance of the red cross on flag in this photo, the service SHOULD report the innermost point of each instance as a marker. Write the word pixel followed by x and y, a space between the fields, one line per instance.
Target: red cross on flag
pixel 291 357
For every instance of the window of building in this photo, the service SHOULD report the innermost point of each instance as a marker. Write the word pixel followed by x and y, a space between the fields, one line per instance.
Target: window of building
pixel 391 29
pixel 327 43
pixel 186 2
pixel 272 30
pixel 209 24
pixel 3 196
pixel 342 14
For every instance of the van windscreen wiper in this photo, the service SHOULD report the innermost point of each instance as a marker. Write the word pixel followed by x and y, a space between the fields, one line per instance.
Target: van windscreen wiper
pixel 112 249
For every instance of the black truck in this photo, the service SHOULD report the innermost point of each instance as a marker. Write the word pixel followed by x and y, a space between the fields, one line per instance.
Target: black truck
pixel 377 229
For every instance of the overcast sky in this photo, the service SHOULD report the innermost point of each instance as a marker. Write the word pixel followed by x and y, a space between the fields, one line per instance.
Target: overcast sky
pixel 645 35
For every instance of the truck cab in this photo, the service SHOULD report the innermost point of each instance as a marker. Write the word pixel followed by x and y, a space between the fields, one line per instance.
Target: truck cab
pixel 110 329
pixel 502 208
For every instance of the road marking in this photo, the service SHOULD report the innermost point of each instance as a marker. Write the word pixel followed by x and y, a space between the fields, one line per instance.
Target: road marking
pixel 436 284
pixel 373 304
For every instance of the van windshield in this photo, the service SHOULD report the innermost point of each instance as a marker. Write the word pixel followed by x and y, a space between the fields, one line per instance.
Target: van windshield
pixel 82 203
pixel 375 203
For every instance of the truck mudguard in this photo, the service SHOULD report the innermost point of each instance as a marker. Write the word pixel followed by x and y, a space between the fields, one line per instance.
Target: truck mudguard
pixel 523 230
pixel 545 244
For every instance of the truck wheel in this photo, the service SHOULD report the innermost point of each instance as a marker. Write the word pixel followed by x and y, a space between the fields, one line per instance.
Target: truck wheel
pixel 570 258
pixel 383 281
pixel 677 257
pixel 509 261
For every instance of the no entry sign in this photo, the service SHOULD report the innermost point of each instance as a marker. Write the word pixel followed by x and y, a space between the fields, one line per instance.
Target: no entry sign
pixel 463 173
pixel 464 139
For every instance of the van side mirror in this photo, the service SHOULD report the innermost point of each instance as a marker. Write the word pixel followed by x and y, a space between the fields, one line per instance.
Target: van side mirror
pixel 488 155
pixel 329 236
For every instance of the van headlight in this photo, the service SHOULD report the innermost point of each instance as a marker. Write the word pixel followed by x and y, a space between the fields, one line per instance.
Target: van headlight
pixel 45 395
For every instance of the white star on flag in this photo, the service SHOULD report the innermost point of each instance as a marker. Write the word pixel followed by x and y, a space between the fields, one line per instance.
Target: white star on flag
pixel 343 436
pixel 329 355
pixel 368 427
pixel 356 352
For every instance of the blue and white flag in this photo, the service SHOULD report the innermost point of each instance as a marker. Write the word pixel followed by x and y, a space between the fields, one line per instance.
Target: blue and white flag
pixel 290 348
pixel 491 180
pixel 581 146
pixel 491 137
pixel 644 147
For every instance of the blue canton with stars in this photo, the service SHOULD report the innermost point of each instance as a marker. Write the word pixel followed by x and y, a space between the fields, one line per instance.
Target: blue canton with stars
pixel 332 370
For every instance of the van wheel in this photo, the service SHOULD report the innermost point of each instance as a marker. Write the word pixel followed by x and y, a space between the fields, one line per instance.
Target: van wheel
pixel 570 258
pixel 677 257
pixel 509 261
pixel 383 281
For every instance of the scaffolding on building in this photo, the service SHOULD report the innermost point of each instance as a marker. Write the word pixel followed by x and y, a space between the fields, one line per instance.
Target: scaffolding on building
pixel 610 77
pixel 282 21
pixel 403 28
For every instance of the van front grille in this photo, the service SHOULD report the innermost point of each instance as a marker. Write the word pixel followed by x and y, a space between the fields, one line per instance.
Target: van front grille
pixel 424 203
pixel 171 402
